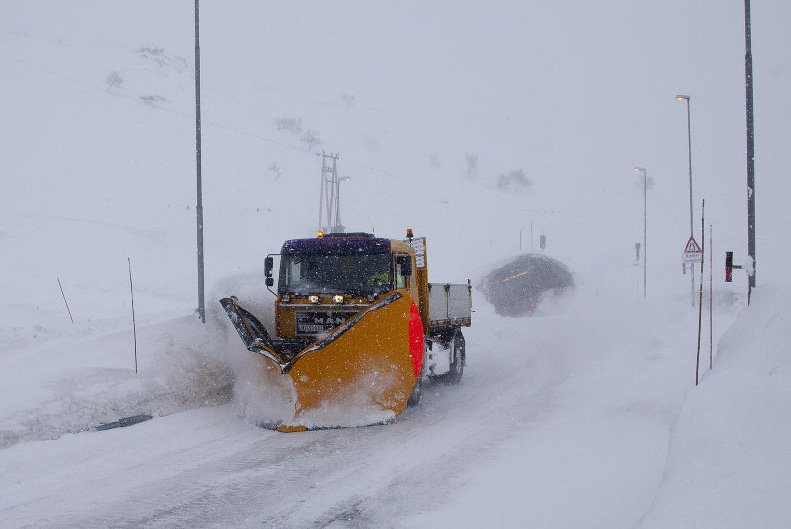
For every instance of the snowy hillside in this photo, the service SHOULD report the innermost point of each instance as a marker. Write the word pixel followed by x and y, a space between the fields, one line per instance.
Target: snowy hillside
pixel 481 127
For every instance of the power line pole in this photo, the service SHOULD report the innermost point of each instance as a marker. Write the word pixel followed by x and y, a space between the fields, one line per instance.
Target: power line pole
pixel 199 205
pixel 748 76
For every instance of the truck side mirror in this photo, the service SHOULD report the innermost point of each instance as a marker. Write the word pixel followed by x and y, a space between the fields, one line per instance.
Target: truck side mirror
pixel 270 281
pixel 269 263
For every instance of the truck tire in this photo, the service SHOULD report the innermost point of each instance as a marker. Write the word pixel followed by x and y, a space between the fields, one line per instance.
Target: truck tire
pixel 417 392
pixel 458 359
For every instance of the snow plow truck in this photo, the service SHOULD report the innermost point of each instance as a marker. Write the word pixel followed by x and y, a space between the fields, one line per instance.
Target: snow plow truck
pixel 357 328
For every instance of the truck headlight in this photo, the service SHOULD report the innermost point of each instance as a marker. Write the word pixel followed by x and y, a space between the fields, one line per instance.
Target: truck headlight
pixel 338 299
pixel 313 298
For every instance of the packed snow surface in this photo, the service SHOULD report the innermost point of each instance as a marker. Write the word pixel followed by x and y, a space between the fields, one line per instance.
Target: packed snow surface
pixel 482 127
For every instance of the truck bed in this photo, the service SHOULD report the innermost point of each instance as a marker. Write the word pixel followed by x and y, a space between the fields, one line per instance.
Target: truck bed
pixel 450 305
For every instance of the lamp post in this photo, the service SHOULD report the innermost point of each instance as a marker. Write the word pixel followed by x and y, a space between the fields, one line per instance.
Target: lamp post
pixel 685 98
pixel 642 171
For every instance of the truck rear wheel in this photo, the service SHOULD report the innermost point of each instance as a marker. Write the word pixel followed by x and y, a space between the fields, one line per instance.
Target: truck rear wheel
pixel 457 360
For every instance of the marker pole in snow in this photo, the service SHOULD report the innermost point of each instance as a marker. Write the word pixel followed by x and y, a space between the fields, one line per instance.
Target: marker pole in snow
pixel 64 300
pixel 134 323
pixel 700 300
pixel 711 297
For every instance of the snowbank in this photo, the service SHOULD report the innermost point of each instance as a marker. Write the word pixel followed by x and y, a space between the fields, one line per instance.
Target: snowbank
pixel 74 378
pixel 730 457
pixel 73 385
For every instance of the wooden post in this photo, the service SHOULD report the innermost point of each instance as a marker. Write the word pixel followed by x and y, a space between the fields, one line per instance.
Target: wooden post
pixel 711 297
pixel 64 301
pixel 700 298
pixel 134 324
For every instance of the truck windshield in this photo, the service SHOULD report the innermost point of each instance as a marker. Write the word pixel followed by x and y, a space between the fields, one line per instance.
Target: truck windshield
pixel 361 274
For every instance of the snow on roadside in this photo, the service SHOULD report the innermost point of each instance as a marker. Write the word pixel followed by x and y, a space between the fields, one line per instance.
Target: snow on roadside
pixel 594 449
pixel 74 384
pixel 72 381
pixel 730 454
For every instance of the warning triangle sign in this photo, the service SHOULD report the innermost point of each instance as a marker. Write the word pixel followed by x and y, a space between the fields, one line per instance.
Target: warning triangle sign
pixel 692 246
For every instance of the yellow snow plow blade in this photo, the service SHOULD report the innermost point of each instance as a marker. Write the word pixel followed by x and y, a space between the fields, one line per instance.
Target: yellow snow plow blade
pixel 360 373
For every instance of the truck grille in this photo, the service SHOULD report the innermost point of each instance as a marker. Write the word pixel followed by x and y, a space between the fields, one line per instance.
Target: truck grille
pixel 313 323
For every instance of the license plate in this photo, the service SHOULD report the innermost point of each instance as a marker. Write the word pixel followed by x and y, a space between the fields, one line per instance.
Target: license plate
pixel 315 322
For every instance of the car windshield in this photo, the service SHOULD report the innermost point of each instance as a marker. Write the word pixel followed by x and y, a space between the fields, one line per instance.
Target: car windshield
pixel 362 274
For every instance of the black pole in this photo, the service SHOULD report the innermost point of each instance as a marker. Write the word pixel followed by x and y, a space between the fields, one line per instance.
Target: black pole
pixel 199 206
pixel 748 76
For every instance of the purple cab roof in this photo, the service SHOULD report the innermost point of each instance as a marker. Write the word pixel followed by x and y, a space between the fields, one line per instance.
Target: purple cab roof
pixel 337 246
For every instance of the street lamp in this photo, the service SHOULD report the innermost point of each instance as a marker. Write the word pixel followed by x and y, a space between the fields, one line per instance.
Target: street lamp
pixel 642 171
pixel 685 98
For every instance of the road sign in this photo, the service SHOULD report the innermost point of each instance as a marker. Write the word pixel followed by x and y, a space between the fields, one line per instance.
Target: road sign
pixel 692 252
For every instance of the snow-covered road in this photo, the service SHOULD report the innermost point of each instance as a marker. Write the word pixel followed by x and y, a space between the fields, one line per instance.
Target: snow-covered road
pixel 468 125
pixel 541 416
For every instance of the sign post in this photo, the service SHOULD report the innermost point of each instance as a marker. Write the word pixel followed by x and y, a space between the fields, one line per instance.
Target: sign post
pixel 693 254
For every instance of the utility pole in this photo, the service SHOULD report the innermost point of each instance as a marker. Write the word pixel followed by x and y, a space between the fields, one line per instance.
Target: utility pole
pixel 199 205
pixel 748 76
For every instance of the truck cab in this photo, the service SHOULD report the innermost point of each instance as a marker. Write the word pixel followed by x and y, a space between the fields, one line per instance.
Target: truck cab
pixel 324 281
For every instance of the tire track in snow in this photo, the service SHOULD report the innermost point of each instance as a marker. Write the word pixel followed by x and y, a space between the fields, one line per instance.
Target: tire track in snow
pixel 317 479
